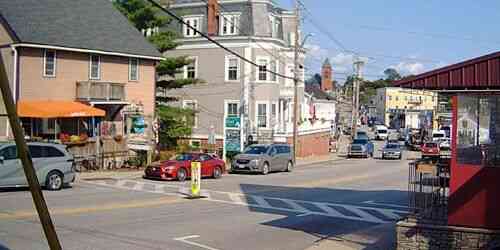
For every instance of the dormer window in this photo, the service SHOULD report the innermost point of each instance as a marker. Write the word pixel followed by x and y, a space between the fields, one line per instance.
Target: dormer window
pixel 194 22
pixel 229 24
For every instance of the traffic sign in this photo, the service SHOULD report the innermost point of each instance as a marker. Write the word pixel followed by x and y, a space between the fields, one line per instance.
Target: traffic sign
pixel 195 178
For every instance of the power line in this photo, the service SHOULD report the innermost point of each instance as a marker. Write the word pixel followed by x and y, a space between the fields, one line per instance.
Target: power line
pixel 179 19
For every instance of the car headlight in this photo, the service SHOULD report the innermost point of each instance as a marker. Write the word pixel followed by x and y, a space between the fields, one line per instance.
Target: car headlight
pixel 255 161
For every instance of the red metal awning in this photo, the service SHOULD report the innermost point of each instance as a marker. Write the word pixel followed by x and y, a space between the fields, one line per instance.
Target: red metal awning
pixel 478 73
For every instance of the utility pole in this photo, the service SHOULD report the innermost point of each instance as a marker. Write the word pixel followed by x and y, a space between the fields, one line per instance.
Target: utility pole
pixel 296 82
pixel 358 64
pixel 24 155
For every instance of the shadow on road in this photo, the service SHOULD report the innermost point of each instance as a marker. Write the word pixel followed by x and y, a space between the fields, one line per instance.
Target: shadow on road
pixel 349 216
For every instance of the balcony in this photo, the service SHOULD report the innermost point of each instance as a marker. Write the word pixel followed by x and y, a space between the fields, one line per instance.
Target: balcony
pixel 100 91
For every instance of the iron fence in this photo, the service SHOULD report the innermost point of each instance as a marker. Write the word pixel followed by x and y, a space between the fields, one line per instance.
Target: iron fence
pixel 428 190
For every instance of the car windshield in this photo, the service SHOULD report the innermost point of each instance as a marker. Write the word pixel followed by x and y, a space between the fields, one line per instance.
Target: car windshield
pixel 438 135
pixel 430 145
pixel 392 146
pixel 356 147
pixel 183 157
pixel 360 141
pixel 256 150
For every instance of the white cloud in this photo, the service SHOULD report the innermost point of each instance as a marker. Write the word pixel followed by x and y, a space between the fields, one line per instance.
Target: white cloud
pixel 409 68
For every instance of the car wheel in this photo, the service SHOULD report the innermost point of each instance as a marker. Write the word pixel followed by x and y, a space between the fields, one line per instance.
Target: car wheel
pixel 289 166
pixel 217 173
pixel 54 181
pixel 265 168
pixel 181 175
pixel 400 156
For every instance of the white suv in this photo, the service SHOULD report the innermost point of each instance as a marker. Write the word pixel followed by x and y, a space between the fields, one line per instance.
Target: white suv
pixel 52 162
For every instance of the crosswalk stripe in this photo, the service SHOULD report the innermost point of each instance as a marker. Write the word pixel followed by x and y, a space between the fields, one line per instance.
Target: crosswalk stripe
pixel 351 212
pixel 261 201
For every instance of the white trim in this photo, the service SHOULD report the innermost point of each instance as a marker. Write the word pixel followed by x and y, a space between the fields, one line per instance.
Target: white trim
pixel 268 69
pixel 190 19
pixel 99 52
pixel 195 58
pixel 198 4
pixel 184 104
pixel 242 39
pixel 130 69
pixel 203 136
pixel 45 63
pixel 225 17
pixel 226 68
pixel 268 114
pixel 98 67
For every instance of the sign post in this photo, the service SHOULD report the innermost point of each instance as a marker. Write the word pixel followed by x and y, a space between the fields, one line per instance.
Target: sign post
pixel 195 179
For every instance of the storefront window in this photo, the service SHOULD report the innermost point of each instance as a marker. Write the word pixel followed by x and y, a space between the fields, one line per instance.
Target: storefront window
pixel 478 130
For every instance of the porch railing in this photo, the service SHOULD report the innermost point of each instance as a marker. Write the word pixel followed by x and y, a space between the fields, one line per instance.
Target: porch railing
pixel 100 91
pixel 428 190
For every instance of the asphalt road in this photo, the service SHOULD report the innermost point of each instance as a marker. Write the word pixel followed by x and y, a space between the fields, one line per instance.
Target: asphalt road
pixel 353 201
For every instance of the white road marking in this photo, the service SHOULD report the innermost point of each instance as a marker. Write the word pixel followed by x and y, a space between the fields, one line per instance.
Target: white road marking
pixel 322 208
pixel 261 201
pixel 384 204
pixel 186 239
pixel 236 198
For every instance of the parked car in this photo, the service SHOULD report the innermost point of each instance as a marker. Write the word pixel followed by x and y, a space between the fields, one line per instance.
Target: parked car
pixel 430 150
pixel 179 167
pixel 264 158
pixel 444 144
pixel 392 151
pixel 361 135
pixel 380 132
pixel 53 164
pixel 361 148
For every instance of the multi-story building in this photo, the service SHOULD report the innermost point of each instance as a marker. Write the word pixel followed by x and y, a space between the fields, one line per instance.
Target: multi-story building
pixel 88 73
pixel 239 102
pixel 404 108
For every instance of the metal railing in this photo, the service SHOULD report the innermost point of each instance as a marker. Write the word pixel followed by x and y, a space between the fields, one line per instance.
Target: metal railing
pixel 100 91
pixel 428 190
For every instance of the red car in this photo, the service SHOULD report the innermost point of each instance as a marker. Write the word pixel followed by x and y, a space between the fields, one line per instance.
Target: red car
pixel 430 149
pixel 179 167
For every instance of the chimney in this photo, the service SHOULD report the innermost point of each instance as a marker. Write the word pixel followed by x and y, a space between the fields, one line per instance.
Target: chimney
pixel 212 22
pixel 326 77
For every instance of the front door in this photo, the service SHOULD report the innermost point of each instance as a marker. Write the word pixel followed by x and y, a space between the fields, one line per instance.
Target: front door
pixel 206 165
pixel 11 171
pixel 275 159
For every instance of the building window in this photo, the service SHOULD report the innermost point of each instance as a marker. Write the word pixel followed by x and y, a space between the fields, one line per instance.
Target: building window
pixel 232 69
pixel 262 115
pixel 191 70
pixel 397 98
pixel 49 63
pixel 195 144
pixel 274 26
pixel 133 69
pixel 229 24
pixel 478 136
pixel 192 105
pixel 232 109
pixel 95 67
pixel 267 70
pixel 262 70
pixel 390 98
pixel 194 22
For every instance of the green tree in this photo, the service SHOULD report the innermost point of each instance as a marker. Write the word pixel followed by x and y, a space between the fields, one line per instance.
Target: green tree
pixel 174 122
pixel 314 80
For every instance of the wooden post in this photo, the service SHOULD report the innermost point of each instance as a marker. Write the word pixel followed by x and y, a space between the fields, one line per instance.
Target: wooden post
pixel 24 155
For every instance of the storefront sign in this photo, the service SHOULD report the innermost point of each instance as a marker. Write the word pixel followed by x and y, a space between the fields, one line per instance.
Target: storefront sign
pixel 233 140
pixel 195 179
pixel 233 122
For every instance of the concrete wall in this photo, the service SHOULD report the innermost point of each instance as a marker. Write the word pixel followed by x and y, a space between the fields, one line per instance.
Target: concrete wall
pixel 72 67
pixel 416 236
pixel 316 144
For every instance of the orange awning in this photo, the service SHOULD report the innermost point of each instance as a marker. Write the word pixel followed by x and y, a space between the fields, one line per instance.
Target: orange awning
pixel 56 109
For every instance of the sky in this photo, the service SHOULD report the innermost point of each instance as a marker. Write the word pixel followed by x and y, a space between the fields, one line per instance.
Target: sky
pixel 410 36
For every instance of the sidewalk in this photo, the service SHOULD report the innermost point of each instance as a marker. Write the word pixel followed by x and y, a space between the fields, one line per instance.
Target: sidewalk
pixel 380 237
pixel 318 159
pixel 134 173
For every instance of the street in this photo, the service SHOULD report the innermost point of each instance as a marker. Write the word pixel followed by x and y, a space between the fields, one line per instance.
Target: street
pixel 354 202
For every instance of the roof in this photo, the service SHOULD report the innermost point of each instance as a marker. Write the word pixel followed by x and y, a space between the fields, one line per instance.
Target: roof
pixel 318 94
pixel 477 73
pixel 79 24
pixel 56 109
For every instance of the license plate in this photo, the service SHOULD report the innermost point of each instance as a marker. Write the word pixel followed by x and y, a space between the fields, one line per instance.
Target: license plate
pixel 241 166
